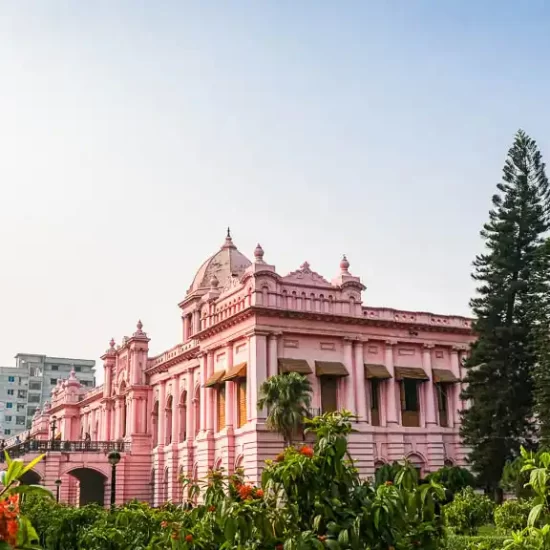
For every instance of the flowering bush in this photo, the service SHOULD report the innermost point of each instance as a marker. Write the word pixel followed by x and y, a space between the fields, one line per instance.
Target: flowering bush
pixel 310 498
pixel 15 530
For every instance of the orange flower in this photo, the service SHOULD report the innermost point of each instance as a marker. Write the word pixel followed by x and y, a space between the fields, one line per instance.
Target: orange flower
pixel 245 491
pixel 211 508
pixel 259 493
pixel 389 483
pixel 280 457
pixel 164 524
pixel 306 451
pixel 175 535
pixel 188 538
pixel 322 538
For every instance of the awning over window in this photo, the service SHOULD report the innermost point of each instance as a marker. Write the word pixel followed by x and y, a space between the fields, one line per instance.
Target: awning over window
pixel 444 376
pixel 237 371
pixel 330 368
pixel 410 373
pixel 215 378
pixel 300 366
pixel 379 372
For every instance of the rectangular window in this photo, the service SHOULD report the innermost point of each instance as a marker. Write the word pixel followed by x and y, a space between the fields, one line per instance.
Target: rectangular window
pixel 20 407
pixel 11 378
pixel 329 393
pixel 55 367
pixel 8 418
pixel 20 420
pixel 7 432
pixel 78 369
pixel 9 405
pixel 241 401
pixel 220 408
pixel 10 392
pixel 21 394
pixel 35 386
pixel 410 407
pixel 375 401
pixel 442 404
pixel 31 411
pixel 53 381
pixel 34 398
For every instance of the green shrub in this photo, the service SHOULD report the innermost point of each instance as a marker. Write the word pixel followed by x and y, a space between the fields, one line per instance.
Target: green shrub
pixel 512 515
pixel 455 542
pixel 468 512
pixel 453 478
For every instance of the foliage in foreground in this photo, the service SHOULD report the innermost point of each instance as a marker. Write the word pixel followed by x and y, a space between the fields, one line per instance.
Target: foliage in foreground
pixel 310 498
pixel 16 530
pixel 468 512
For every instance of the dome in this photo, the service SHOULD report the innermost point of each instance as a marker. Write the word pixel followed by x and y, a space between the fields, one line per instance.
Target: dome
pixel 226 263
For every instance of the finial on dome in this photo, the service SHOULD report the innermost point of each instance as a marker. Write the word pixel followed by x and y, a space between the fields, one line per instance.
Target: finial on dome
pixel 72 376
pixel 112 343
pixel 228 240
pixel 259 253
pixel 214 281
pixel 139 325
pixel 344 264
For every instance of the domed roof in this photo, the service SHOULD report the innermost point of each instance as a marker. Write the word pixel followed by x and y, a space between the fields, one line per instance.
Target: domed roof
pixel 226 263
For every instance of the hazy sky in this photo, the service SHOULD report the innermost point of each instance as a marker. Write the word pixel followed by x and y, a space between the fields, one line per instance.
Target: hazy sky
pixel 132 133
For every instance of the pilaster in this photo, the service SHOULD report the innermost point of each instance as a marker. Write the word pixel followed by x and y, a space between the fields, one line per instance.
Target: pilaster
pixel 429 392
pixel 348 385
pixel 391 386
pixel 360 385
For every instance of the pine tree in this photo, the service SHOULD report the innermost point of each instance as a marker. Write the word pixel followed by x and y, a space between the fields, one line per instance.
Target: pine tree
pixel 508 308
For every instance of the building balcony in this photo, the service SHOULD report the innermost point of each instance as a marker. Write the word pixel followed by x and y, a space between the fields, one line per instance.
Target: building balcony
pixel 38 446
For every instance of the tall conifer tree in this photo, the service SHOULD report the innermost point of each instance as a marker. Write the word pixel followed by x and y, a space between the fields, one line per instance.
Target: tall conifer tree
pixel 511 287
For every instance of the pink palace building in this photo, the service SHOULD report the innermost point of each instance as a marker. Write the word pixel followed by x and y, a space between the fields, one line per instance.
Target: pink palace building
pixel 193 407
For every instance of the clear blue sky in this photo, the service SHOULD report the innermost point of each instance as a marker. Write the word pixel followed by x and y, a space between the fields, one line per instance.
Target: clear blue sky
pixel 133 133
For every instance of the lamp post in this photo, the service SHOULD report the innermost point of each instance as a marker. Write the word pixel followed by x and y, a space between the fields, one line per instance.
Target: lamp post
pixel 114 459
pixel 57 488
pixel 53 426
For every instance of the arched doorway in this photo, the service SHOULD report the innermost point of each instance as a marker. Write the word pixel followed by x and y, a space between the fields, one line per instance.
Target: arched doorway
pixel 92 486
pixel 30 478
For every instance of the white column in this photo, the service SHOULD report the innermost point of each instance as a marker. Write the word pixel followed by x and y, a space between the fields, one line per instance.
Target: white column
pixel 391 386
pixel 349 383
pixel 230 401
pixel 361 393
pixel 257 374
pixel 431 414
pixel 176 411
pixel 162 413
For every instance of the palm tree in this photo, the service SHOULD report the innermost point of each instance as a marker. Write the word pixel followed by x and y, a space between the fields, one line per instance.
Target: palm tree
pixel 287 398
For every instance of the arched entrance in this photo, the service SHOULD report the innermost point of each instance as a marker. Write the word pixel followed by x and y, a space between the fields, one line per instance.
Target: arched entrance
pixel 92 486
pixel 30 478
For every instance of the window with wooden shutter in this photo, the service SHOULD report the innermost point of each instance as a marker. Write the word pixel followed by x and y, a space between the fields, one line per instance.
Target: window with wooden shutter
pixel 410 408
pixel 220 406
pixel 375 401
pixel 442 404
pixel 329 393
pixel 241 403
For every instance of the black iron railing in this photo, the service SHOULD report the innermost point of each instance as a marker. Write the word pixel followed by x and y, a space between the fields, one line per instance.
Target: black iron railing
pixel 66 447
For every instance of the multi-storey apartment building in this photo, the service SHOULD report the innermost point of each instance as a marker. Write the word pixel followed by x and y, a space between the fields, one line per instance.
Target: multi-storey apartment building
pixel 25 387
